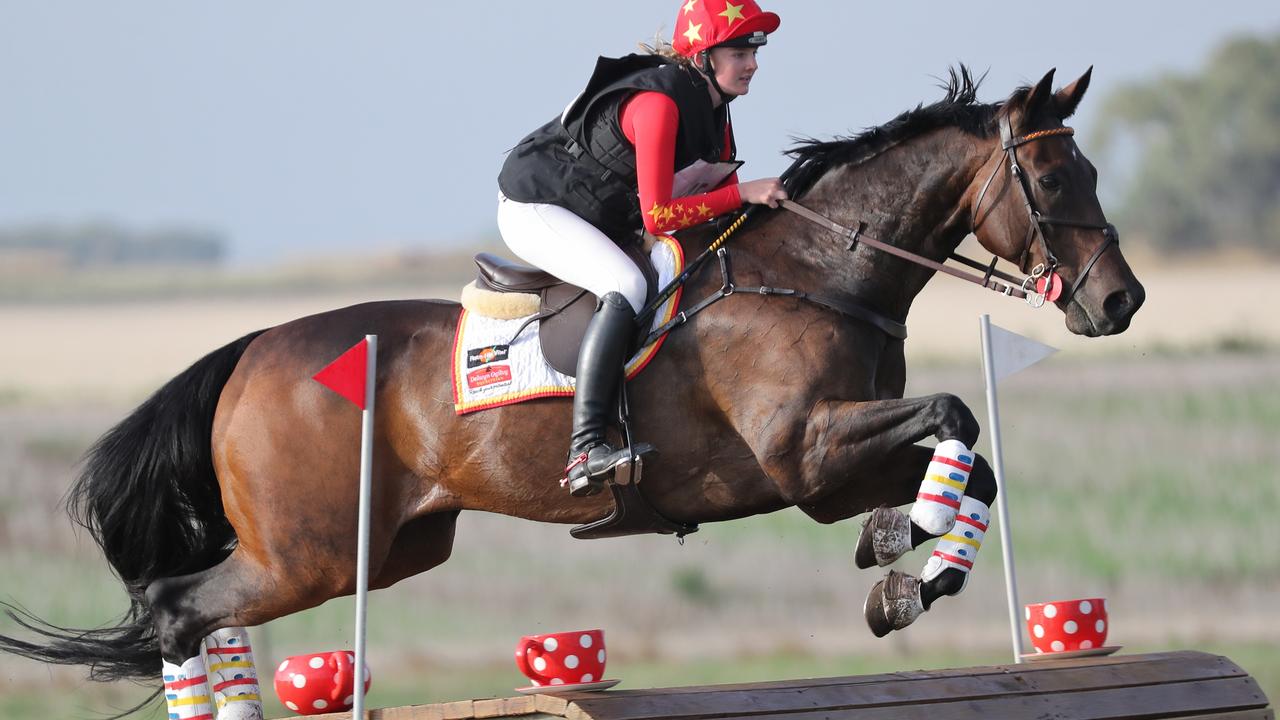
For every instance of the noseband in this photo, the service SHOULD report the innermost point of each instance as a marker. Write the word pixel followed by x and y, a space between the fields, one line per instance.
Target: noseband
pixel 1035 227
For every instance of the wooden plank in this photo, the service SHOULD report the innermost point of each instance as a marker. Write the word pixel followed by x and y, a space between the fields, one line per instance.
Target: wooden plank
pixel 1004 685
pixel 505 707
pixel 460 710
pixel 1263 714
pixel 921 687
pixel 1133 703
pixel 551 704
pixel 1040 666
pixel 413 712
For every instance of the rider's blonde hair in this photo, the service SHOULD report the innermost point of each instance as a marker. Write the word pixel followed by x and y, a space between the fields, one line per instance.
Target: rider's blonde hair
pixel 663 47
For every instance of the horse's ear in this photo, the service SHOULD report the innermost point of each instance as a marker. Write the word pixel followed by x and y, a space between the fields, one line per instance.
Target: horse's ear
pixel 1038 99
pixel 1068 98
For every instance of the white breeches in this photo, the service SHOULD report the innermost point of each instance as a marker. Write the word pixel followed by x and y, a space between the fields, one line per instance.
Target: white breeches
pixel 563 244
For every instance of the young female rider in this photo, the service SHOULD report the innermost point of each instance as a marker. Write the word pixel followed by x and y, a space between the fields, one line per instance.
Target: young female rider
pixel 584 182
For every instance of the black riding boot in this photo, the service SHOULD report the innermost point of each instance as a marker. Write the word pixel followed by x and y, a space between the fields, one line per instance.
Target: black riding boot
pixel 600 368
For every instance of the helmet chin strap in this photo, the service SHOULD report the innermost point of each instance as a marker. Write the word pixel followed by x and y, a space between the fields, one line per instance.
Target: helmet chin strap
pixel 725 96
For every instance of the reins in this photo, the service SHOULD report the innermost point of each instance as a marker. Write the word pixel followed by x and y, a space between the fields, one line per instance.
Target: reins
pixel 886 325
pixel 1028 289
pixel 859 235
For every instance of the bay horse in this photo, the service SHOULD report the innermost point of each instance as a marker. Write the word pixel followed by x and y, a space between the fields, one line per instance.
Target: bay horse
pixel 228 498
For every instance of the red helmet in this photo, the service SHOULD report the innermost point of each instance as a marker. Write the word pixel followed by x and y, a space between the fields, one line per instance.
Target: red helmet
pixel 704 24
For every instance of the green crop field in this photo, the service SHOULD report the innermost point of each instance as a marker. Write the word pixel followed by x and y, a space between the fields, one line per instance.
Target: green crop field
pixel 1151 481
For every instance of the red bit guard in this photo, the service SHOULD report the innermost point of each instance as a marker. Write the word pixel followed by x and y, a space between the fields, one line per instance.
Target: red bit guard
pixel 1054 284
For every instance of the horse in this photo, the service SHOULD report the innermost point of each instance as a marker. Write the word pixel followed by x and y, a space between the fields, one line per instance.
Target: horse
pixel 228 498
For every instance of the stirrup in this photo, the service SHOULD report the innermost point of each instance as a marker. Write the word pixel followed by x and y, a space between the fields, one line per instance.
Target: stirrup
pixel 589 483
pixel 583 485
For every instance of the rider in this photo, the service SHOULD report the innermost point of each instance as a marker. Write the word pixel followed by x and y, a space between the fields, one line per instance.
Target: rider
pixel 577 187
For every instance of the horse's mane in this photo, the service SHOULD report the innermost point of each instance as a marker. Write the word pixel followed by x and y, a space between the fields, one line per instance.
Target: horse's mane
pixel 958 108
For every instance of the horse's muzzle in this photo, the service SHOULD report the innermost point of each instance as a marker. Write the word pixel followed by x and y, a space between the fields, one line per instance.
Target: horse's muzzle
pixel 1112 318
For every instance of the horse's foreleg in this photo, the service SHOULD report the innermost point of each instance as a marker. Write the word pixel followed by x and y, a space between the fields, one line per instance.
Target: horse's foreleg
pixel 896 601
pixel 845 442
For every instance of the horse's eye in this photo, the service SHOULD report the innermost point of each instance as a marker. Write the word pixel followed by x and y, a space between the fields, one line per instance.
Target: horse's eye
pixel 1049 182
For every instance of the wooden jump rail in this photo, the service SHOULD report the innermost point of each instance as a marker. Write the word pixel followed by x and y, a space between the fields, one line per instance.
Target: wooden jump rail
pixel 1188 685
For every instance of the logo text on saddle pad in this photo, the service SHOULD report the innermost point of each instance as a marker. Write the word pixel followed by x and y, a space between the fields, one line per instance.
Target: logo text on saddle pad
pixel 489 376
pixel 486 355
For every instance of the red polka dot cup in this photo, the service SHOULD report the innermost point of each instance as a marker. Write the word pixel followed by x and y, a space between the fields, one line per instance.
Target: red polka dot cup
pixel 319 683
pixel 1067 625
pixel 566 658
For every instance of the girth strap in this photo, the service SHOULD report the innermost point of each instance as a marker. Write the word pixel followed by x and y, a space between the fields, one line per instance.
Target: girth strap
pixel 892 328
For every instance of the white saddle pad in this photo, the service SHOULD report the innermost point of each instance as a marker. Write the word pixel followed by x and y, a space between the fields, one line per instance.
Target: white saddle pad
pixel 492 367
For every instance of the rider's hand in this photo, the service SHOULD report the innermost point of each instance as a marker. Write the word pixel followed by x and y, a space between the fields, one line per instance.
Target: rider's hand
pixel 767 191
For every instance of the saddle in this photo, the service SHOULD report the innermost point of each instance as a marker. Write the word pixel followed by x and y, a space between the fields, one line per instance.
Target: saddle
pixel 564 311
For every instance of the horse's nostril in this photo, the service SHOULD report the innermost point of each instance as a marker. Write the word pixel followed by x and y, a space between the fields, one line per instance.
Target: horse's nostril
pixel 1118 304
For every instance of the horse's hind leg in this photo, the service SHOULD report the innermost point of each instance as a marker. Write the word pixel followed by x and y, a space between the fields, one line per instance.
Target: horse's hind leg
pixel 188 611
pixel 232 674
pixel 240 591
pixel 243 591
pixel 419 545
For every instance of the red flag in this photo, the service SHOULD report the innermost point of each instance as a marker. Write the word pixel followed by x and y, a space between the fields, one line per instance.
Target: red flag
pixel 345 375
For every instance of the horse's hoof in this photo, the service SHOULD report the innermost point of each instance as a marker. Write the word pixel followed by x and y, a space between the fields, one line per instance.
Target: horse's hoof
pixel 893 604
pixel 885 537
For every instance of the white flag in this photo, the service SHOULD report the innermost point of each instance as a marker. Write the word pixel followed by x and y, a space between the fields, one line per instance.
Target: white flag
pixel 1011 352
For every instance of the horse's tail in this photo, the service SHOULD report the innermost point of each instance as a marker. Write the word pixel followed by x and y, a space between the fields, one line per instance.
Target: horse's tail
pixel 148 495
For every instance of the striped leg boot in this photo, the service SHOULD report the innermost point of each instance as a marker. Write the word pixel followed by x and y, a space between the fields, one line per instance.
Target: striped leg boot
pixel 944 483
pixel 959 548
pixel 896 601
pixel 232 675
pixel 186 690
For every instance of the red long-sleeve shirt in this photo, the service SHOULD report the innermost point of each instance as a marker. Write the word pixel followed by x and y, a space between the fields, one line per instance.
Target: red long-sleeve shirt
pixel 650 120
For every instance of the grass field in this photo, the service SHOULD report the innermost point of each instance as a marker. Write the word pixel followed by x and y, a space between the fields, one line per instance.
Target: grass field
pixel 1150 483
pixel 1143 470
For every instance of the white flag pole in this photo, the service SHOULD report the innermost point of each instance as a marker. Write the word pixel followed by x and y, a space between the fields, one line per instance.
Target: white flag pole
pixel 362 545
pixel 997 464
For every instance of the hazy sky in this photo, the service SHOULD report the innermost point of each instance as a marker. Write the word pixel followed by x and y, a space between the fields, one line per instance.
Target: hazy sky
pixel 317 126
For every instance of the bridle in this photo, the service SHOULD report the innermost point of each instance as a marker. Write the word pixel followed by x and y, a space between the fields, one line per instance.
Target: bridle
pixel 1043 283
pixel 1043 275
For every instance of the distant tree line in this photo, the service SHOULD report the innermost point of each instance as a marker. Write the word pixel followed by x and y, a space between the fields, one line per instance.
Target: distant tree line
pixel 1203 151
pixel 106 244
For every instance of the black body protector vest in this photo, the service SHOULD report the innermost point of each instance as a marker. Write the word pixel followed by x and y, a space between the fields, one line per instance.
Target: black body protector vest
pixel 583 162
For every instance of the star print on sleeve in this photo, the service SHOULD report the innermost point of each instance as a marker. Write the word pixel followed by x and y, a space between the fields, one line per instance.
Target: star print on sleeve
pixel 684 212
pixel 650 121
